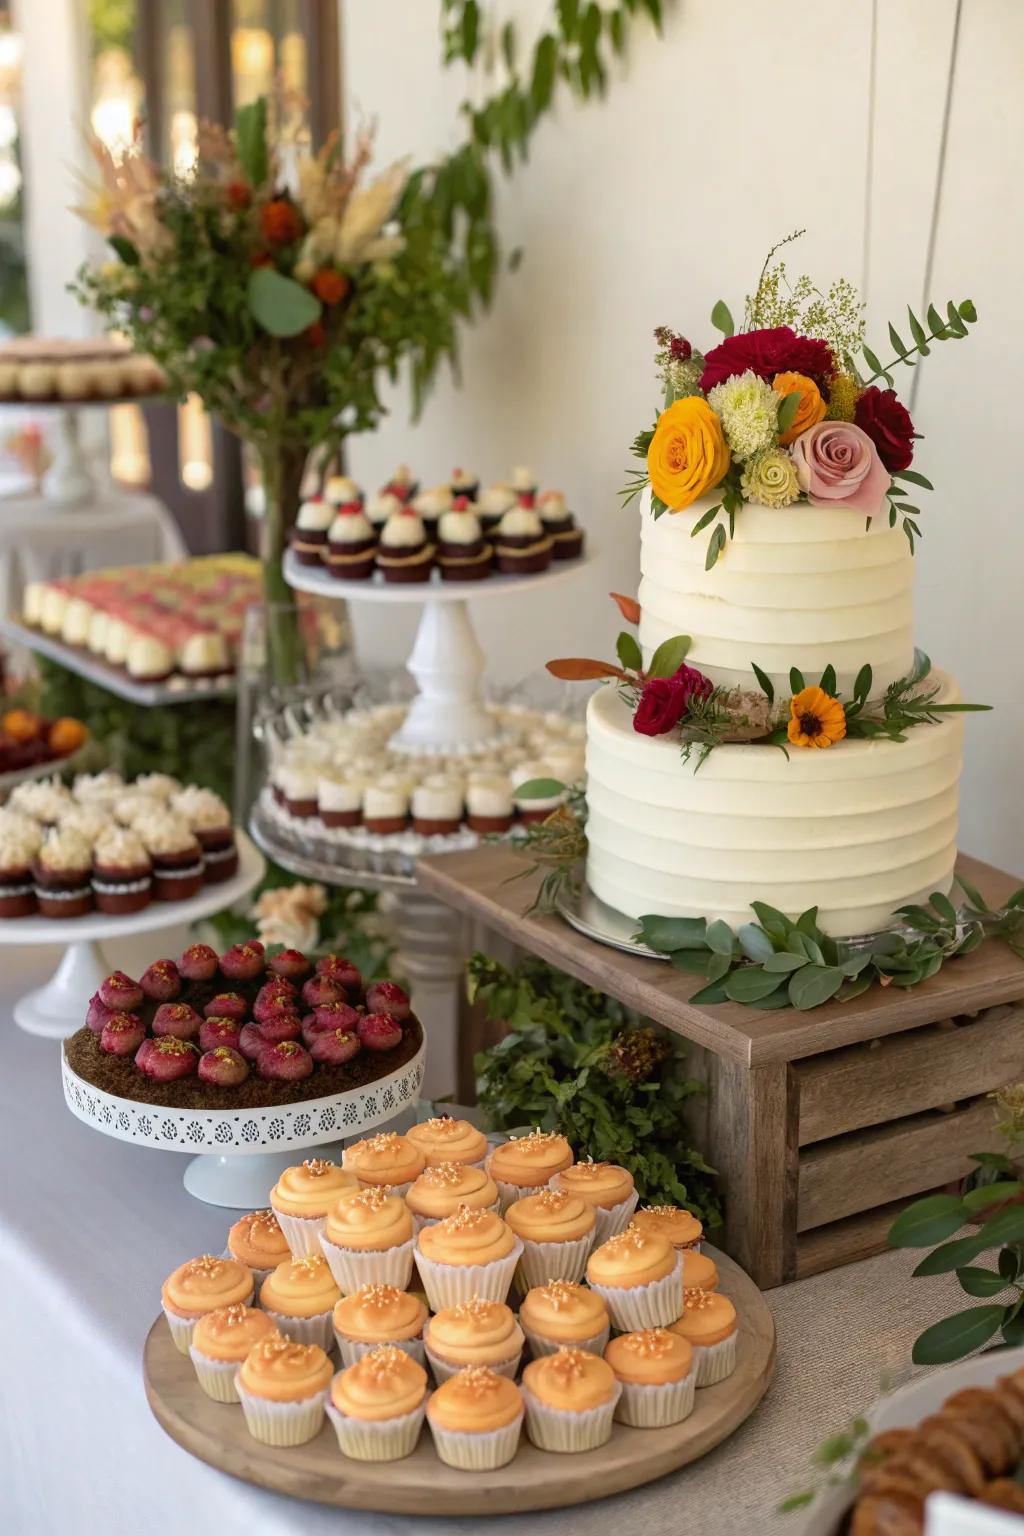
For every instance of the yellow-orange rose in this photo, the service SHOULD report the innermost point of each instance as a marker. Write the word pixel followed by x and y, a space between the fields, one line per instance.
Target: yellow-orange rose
pixel 811 409
pixel 688 453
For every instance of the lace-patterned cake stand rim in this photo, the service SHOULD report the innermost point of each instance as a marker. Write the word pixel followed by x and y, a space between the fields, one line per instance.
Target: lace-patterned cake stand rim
pixel 238 1154
pixel 56 1009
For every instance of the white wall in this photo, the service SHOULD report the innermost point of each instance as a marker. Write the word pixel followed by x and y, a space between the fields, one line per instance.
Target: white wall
pixel 740 123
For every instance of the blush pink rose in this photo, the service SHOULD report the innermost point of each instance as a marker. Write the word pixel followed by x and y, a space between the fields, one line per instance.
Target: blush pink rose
pixel 838 466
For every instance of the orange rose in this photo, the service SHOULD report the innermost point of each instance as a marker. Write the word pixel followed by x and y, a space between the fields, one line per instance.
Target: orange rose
pixel 688 453
pixel 329 286
pixel 280 221
pixel 811 409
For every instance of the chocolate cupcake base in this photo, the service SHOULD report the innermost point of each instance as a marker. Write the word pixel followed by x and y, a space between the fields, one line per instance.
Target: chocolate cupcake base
pixel 465 570
pixel 428 828
pixel 17 893
pixel 177 877
pixel 489 823
pixel 301 808
pixel 64 893
pixel 513 564
pixel 220 862
pixel 121 891
pixel 385 826
pixel 308 548
pixel 568 542
pixel 341 818
pixel 350 570
pixel 406 572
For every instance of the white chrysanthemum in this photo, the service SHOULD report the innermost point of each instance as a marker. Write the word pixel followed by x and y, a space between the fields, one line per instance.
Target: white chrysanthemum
pixel 749 411
pixel 769 478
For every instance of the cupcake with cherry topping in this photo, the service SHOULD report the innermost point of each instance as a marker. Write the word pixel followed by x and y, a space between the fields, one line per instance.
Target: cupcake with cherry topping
pixel 308 538
pixel 429 505
pixel 210 820
pixel 437 805
pixel 386 1159
pixel 476 1418
pixel 62 875
pixel 302 1197
pixel 442 1189
pixel 443 1139
pixel 199 1286
pixel 464 483
pixel 377 1405
pixel 341 491
pixel 20 841
pixel 175 854
pixel 710 1326
pixel 256 1240
pixel 220 1342
pixel 655 1369
pixel 463 554
pixel 283 1388
pixel 368 1238
pixel 351 542
pixel 521 547
pixel 557 1232
pixel 571 1398
pixel 402 485
pixel 524 483
pixel 561 1313
pixel 299 1297
pixel 122 873
pixel 682 1229
pixel 638 1276
pixel 606 1187
pixel 379 508
pixel 405 554
pixel 377 1314
pixel 474 1332
pixel 559 523
pixel 489 805
pixel 492 504
pixel 471 1253
pixel 524 1165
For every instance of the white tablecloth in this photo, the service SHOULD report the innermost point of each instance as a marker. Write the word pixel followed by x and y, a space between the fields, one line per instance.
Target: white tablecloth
pixel 90 1226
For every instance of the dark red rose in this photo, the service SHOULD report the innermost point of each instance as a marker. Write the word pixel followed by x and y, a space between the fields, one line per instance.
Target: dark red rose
pixel 694 683
pixel 888 424
pixel 766 353
pixel 680 348
pixel 662 705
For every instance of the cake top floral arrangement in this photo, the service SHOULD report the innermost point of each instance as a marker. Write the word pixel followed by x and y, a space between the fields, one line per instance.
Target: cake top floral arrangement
pixel 792 407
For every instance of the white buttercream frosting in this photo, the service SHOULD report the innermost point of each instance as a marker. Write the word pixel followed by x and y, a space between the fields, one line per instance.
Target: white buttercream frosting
pixel 74 627
pixel 438 798
pixel 380 508
pixel 103 788
pixel 164 832
pixel 523 479
pixel 386 798
pixel 204 810
pixel 42 799
pixel 496 499
pixel 315 515
pixel 489 795
pixel 20 841
pixel 87 821
pixel 340 489
pixel 204 652
pixel 459 527
pixel 160 785
pixel 64 850
pixel 120 848
pixel 146 656
pixel 403 531
pixel 520 522
pixel 552 506
pixel 433 502
pixel 297 781
pixel 337 794
pixel 350 528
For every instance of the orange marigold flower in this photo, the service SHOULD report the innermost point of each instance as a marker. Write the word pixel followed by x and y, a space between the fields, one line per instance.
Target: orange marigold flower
pixel 330 286
pixel 811 409
pixel 280 221
pixel 21 725
pixel 66 735
pixel 238 195
pixel 816 719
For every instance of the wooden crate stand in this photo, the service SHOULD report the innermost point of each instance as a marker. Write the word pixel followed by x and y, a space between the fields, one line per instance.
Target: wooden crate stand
pixel 821 1124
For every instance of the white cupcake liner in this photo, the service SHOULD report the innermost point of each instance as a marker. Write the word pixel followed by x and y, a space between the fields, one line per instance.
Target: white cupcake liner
pixel 613 1219
pixel 559 1429
pixel 419 1222
pixel 352 1350
pixel 301 1233
pixel 282 1424
pixel 448 1284
pixel 542 1262
pixel 714 1362
pixel 444 1369
pixel 306 1330
pixel 654 1305
pixel 470 1452
pixel 353 1268
pixel 539 1345
pixel 377 1439
pixel 182 1328
pixel 508 1194
pixel 654 1407
pixel 216 1377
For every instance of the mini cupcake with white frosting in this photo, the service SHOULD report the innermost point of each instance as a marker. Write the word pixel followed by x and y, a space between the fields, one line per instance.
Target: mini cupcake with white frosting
pixel 44 800
pixel 380 507
pixel 521 546
pixel 147 659
pixel 405 553
pixel 340 799
pixel 62 875
pixel 559 522
pixel 492 504
pixel 308 538
pixel 20 841
pixel 351 542
pixel 464 483
pixel 489 805
pixel 437 805
pixel 122 874
pixel 175 854
pixel 98 788
pixel 429 505
pixel 386 804
pixel 463 554
pixel 297 786
pixel 342 489
pixel 401 485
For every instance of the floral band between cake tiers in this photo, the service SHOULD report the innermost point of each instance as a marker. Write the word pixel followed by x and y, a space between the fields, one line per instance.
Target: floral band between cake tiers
pixel 788 409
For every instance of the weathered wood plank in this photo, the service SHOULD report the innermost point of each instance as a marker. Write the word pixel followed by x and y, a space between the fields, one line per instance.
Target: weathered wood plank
pixel 847 1241
pixel 752 1143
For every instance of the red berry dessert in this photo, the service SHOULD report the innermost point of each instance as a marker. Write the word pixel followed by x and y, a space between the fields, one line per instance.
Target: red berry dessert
pixel 284 1026
pixel 251 1042
pixel 321 989
pixel 342 972
pixel 379 1031
pixel 122 1034
pixel 388 997
pixel 334 1047
pixel 291 964
pixel 214 1032
pixel 161 981
pixel 331 1016
pixel 226 1005
pixel 244 962
pixel 166 1059
pixel 289 1061
pixel 177 1019
pixel 270 999
pixel 223 1067
pixel 120 992
pixel 97 1013
pixel 198 963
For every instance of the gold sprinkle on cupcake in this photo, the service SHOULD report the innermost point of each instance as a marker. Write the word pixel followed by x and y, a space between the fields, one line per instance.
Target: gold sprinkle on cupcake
pixel 316 1167
pixel 560 1293
pixel 384 1141
pixel 568 1363
pixel 479 1309
pixel 696 1300
pixel 443 1174
pixel 465 1219
pixel 378 1294
pixel 372 1197
pixel 590 1170
pixel 442 1125
pixel 631 1238
pixel 553 1199
pixel 479 1380
pixel 206 1265
pixel 384 1361
pixel 234 1314
pixel 649 1342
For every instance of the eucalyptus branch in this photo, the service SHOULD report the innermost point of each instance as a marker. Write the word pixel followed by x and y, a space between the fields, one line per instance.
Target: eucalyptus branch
pixel 953 328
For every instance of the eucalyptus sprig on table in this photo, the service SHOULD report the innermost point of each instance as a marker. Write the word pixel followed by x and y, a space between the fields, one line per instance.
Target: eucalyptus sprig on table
pixel 557 845
pixel 835 1461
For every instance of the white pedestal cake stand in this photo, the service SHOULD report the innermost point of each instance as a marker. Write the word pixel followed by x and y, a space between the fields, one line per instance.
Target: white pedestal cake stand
pixel 446 658
pixel 58 1008
pixel 238 1154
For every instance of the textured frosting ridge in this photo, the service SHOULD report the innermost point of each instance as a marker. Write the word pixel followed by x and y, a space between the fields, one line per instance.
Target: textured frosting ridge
pixel 530 1160
pixel 708 1317
pixel 257 1240
pixel 631 1258
pixel 475 1332
pixel 570 1380
pixel 600 1184
pixel 440 1190
pixel 369 1220
pixel 467 1237
pixel 285 1372
pixel 230 1332
pixel 475 1401
pixel 443 1139
pixel 384 1384
pixel 204 1284
pixel 387 1158
pixel 552 1216
pixel 300 1288
pixel 671 1222
pixel 564 1310
pixel 380 1312
pixel 311 1187
pixel 650 1356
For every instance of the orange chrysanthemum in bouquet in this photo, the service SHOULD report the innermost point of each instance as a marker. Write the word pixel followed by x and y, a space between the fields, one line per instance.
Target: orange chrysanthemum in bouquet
pixel 816 719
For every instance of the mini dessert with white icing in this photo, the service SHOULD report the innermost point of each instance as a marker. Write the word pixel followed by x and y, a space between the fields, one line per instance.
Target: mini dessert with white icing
pixel 437 805
pixel 62 875
pixel 309 536
pixel 20 841
pixel 122 877
pixel 341 489
pixel 464 483
pixel 524 482
pixel 559 522
pixel 146 659
pixel 351 542
pixel 405 554
pixel 493 503
pixel 386 804
pixel 463 554
pixel 401 484
pixel 340 800
pixel 521 546
pixel 430 505
pixel 379 508
pixel 489 806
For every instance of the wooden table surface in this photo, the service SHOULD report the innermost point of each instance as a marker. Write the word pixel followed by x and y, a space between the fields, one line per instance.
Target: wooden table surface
pixel 482 884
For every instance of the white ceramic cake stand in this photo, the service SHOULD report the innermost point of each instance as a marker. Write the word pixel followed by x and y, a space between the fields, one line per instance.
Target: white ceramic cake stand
pixel 238 1155
pixel 58 1008
pixel 446 658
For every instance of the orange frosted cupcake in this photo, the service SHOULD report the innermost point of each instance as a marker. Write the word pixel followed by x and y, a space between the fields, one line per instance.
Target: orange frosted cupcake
pixel 442 1187
pixel 282 1387
pixel 475 1332
pixel 199 1286
pixel 445 1140
pixel 560 1313
pixel 377 1405
pixel 379 1314
pixel 385 1159
pixel 299 1297
pixel 638 1276
pixel 302 1197
pixel 655 1369
pixel 476 1418
pixel 682 1229
pixel 709 1324
pixel 220 1342
pixel 699 1271
pixel 524 1165
pixel 606 1187
pixel 570 1399
pixel 368 1238
pixel 557 1232
pixel 257 1241
pixel 472 1253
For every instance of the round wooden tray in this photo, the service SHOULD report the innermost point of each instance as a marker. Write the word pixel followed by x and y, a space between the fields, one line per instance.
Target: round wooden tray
pixel 421 1484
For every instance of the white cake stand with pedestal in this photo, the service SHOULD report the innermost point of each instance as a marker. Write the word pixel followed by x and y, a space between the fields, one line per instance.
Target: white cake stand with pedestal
pixel 58 1008
pixel 446 659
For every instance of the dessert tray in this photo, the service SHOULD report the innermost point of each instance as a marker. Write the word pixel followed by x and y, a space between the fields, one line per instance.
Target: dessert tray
pixel 176 689
pixel 215 1433
pixel 335 860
